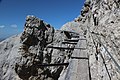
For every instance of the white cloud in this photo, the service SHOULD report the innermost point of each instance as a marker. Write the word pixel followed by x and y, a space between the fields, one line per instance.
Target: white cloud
pixel 14 26
pixel 2 26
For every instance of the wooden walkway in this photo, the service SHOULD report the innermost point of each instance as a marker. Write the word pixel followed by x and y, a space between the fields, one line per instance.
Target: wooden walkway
pixel 78 68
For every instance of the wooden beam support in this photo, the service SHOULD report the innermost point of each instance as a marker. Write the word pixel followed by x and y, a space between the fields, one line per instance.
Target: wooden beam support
pixel 69 42
pixel 56 64
pixel 79 58
pixel 65 48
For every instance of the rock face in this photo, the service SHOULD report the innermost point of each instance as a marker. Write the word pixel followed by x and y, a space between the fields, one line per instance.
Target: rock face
pixel 100 19
pixel 24 56
pixel 8 57
pixel 36 36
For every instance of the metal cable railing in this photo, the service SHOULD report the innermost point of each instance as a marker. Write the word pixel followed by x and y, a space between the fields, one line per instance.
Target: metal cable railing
pixel 100 55
pixel 103 61
pixel 118 66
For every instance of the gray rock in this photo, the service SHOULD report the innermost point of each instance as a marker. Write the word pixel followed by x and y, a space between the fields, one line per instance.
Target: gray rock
pixel 20 55
pixel 108 25
pixel 36 37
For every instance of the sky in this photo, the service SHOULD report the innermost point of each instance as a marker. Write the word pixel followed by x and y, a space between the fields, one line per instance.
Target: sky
pixel 54 12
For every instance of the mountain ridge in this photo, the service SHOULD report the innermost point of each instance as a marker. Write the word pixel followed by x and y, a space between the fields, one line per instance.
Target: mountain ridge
pixel 98 21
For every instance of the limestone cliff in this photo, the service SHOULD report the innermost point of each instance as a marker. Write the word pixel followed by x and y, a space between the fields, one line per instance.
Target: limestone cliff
pixel 27 55
pixel 24 56
pixel 100 20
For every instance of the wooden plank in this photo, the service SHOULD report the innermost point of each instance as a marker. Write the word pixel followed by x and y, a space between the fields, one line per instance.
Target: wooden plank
pixel 78 70
pixel 78 66
pixel 72 69
pixel 78 52
pixel 82 43
pixel 83 70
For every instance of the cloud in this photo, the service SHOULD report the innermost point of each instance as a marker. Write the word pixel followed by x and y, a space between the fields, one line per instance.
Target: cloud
pixel 14 26
pixel 2 26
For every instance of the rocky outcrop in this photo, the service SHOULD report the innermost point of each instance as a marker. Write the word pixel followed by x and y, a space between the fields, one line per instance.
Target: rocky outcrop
pixel 23 57
pixel 35 39
pixel 36 36
pixel 8 57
